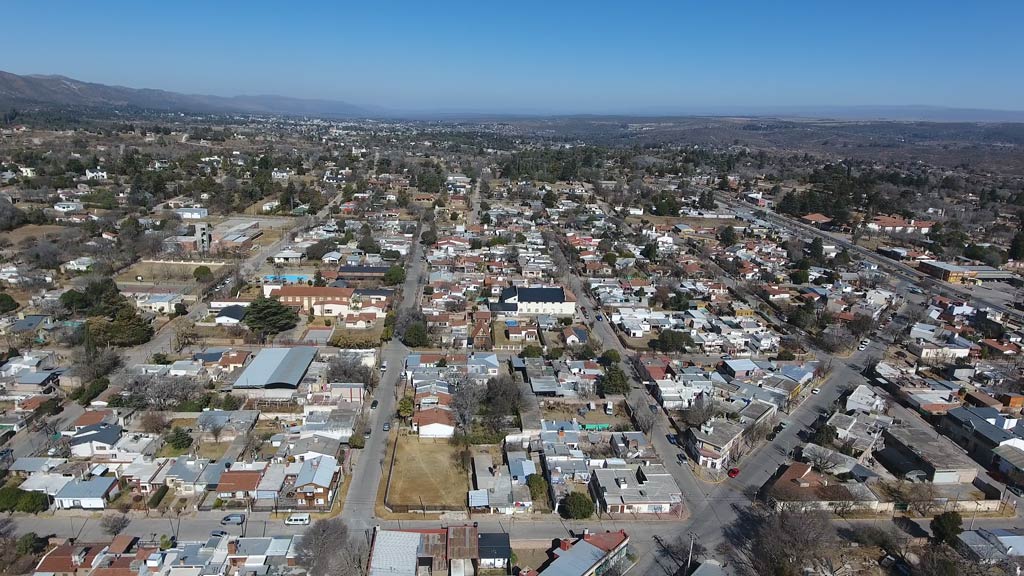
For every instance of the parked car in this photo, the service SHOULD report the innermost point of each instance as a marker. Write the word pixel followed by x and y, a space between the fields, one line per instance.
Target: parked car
pixel 233 520
pixel 374 404
pixel 218 533
pixel 387 426
pixel 297 520
pixel 672 439
pixel 815 390
pixel 733 472
pixel 367 433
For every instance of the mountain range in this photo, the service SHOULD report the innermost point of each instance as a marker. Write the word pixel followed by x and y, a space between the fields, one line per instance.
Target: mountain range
pixel 60 91
pixel 34 90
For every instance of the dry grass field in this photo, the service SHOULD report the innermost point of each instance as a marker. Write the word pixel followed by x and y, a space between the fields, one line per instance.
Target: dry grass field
pixel 426 471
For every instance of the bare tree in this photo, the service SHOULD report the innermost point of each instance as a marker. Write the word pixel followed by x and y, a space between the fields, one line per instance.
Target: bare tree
pixel 328 549
pixel 216 430
pixel 766 542
pixel 465 403
pixel 154 422
pixel 921 498
pixel 644 419
pixel 348 369
pixel 114 524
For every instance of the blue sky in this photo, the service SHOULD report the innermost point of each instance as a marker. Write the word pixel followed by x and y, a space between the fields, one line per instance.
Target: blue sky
pixel 551 57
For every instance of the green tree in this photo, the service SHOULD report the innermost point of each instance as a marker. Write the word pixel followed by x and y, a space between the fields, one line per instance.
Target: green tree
pixel 179 439
pixel 610 258
pixel 32 502
pixel 394 275
pixel 416 335
pixel 202 273
pixel 29 544
pixel 673 341
pixel 406 408
pixel 1016 246
pixel 577 506
pixel 610 356
pixel 429 236
pixel 267 316
pixel 946 527
pixel 613 382
pixel 531 351
pixel 7 303
pixel 650 252
pixel 550 199
pixel 799 276
pixel 727 235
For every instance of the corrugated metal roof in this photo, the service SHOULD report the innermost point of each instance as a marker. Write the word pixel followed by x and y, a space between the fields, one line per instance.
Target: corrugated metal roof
pixel 277 368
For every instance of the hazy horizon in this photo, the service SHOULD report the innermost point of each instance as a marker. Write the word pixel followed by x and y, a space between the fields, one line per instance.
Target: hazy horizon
pixel 541 59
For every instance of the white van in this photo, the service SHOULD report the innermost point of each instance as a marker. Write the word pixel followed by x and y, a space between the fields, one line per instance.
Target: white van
pixel 297 520
pixel 609 409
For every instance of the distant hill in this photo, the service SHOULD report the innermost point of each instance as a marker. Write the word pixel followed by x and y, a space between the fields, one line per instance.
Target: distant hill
pixel 17 90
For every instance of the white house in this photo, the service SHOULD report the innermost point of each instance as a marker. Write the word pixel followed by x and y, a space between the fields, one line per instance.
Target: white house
pixel 194 213
pixel 83 264
pixel 287 256
pixel 97 174
pixel 271 206
pixel 434 423
pixel 95 440
pixel 65 207
pixel 91 494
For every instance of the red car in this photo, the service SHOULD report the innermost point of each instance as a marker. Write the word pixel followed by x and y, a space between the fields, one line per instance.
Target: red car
pixel 734 472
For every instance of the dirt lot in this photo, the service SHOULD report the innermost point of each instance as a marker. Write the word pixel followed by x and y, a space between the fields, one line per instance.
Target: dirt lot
pixel 152 271
pixel 34 230
pixel 562 411
pixel 426 471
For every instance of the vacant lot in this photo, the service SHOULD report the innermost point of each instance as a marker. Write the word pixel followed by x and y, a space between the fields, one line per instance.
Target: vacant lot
pixel 427 471
pixel 31 230
pixel 162 271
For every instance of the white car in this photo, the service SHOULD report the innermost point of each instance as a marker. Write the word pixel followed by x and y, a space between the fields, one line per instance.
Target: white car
pixel 862 347
pixel 865 342
pixel 815 390
pixel 297 520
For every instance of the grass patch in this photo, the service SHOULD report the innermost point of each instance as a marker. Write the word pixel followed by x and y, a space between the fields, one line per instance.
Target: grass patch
pixel 212 450
pixel 162 271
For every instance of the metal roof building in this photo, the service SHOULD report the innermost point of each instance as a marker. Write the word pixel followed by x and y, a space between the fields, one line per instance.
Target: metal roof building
pixel 277 368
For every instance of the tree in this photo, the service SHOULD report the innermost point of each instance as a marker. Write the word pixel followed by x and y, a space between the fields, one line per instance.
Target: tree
pixel 727 235
pixel 7 303
pixel 114 524
pixel 549 199
pixel 202 273
pixel 154 422
pixel 799 276
pixel 577 506
pixel 824 435
pixel 406 408
pixel 428 237
pixel 465 403
pixel 267 316
pixel 30 544
pixel 538 487
pixel 861 325
pixel 503 396
pixel 328 549
pixel 673 341
pixel 350 369
pixel 610 356
pixel 216 430
pixel 179 439
pixel 614 381
pixel 946 527
pixel 394 275
pixel 1017 246
pixel 779 543
pixel 644 419
pixel 416 335
pixel 531 351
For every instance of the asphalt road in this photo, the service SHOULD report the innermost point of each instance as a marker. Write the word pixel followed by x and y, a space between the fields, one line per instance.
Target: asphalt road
pixel 366 476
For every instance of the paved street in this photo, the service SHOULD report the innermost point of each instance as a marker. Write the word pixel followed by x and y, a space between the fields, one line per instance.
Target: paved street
pixel 366 477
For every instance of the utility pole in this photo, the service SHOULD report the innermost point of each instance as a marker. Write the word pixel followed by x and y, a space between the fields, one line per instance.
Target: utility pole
pixel 689 557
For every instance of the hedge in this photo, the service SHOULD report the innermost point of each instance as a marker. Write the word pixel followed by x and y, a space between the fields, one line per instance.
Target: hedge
pixel 157 496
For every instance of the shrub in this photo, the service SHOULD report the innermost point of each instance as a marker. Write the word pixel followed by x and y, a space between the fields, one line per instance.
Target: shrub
pixel 157 496
pixel 577 506
pixel 33 502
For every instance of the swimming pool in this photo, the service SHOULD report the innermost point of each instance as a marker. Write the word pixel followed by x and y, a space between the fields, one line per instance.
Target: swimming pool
pixel 289 278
